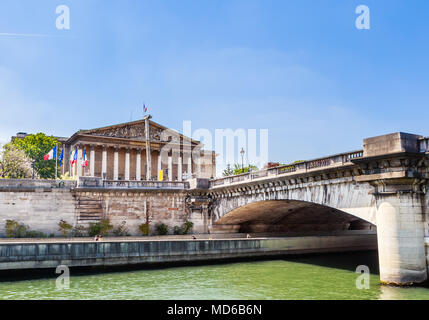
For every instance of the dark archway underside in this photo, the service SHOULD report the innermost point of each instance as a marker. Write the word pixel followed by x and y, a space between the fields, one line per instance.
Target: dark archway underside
pixel 290 216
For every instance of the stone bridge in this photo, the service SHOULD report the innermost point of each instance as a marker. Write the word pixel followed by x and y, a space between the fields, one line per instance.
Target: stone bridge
pixel 382 187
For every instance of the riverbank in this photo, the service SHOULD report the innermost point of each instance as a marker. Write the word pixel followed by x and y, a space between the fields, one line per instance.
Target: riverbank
pixel 17 254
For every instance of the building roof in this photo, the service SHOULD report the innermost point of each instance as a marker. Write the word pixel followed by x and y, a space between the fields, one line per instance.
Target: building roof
pixel 134 130
pixel 22 135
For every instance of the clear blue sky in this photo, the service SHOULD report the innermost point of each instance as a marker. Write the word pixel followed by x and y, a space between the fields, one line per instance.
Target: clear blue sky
pixel 297 67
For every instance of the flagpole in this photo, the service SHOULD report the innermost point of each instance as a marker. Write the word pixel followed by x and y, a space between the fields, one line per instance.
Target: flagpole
pixel 56 161
pixel 62 160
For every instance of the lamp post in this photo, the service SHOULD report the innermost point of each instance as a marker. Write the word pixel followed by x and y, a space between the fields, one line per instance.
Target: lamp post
pixel 32 166
pixel 242 152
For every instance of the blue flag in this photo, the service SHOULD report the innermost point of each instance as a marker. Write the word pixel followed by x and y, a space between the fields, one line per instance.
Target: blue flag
pixel 61 157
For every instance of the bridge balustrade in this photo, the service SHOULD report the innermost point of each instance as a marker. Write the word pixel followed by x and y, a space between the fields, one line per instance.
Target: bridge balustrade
pixel 259 174
pixel 303 166
pixel 353 155
pixel 424 145
pixel 319 163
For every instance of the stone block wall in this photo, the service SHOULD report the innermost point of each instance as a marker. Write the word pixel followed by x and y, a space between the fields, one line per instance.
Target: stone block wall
pixel 134 207
pixel 41 209
pixel 42 204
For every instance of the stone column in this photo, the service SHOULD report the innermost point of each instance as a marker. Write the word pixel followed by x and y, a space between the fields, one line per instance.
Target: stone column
pixel 159 163
pixel 400 235
pixel 138 165
pixel 116 164
pixel 190 165
pixel 199 165
pixel 92 162
pixel 170 168
pixel 127 164
pixel 179 168
pixel 104 163
pixel 79 161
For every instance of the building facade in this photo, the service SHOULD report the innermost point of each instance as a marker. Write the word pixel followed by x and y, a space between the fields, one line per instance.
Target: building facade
pixel 136 151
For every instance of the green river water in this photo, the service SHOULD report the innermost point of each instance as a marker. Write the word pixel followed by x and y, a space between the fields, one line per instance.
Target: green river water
pixel 313 277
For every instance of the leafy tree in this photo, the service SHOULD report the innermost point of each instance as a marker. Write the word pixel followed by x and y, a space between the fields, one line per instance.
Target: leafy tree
pixel 15 164
pixel 36 146
pixel 295 162
pixel 291 165
pixel 228 171
pixel 239 170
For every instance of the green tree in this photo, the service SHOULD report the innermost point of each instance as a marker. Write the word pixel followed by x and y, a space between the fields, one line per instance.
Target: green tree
pixel 239 170
pixel 291 165
pixel 15 164
pixel 228 171
pixel 36 146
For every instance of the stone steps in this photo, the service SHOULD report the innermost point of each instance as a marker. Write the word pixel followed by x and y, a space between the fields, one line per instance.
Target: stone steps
pixel 90 206
pixel 89 210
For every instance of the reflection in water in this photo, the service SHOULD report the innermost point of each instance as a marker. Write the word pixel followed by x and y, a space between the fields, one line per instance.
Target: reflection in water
pixel 390 293
pixel 314 277
pixel 405 293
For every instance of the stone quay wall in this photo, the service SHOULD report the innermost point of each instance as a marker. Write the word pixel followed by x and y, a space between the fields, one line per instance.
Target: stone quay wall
pixel 42 204
pixel 37 203
pixel 135 207
pixel 38 255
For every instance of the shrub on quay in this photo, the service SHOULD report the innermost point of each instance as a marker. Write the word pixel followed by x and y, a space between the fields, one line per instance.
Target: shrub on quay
pixel 65 228
pixel 14 229
pixel 79 231
pixel 162 229
pixel 102 227
pixel 144 229
pixel 121 230
pixel 184 229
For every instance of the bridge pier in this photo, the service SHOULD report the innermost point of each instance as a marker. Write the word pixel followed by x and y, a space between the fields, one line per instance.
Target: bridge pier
pixel 400 234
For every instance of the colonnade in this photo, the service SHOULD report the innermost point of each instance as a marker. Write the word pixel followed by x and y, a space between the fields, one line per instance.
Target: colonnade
pixel 183 160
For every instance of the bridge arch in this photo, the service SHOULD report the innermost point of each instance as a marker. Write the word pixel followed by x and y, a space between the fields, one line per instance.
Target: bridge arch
pixel 342 198
pixel 291 216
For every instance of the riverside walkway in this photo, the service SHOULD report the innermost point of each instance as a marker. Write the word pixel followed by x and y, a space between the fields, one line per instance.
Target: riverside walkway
pixel 17 254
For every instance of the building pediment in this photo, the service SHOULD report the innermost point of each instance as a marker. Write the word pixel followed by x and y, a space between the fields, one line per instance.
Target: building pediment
pixel 134 131
pixel 131 130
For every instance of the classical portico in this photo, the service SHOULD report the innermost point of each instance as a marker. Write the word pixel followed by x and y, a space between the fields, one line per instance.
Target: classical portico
pixel 138 151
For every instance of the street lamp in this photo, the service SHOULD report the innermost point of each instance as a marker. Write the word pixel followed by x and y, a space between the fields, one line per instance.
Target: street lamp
pixel 242 152
pixel 32 166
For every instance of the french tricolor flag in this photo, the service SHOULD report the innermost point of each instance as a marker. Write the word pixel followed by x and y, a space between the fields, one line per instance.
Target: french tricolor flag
pixel 51 155
pixel 85 160
pixel 74 161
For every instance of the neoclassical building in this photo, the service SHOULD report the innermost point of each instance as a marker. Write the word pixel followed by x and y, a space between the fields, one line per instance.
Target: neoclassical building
pixel 138 150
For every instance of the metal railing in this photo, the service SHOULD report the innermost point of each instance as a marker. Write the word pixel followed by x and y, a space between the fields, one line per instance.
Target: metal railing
pixel 304 166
